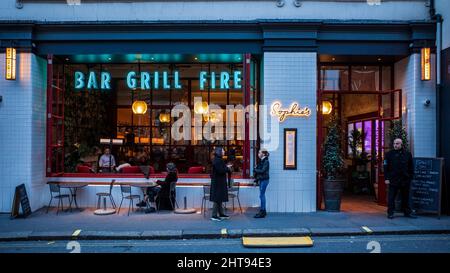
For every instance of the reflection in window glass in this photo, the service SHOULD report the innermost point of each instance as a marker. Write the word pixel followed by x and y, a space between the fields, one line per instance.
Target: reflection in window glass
pixel 365 78
pixel 386 77
pixel 350 128
pixel 334 78
pixel 368 136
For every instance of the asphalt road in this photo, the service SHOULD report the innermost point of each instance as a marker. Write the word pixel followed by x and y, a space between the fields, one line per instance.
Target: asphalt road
pixel 348 244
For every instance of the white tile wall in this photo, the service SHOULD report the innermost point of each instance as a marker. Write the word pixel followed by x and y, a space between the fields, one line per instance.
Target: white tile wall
pixel 292 77
pixel 22 130
pixel 420 120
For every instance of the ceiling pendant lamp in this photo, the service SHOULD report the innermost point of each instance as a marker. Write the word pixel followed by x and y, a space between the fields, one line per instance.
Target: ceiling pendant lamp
pixel 164 117
pixel 139 107
pixel 201 107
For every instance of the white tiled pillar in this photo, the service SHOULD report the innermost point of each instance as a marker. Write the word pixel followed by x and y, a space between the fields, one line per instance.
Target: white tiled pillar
pixel 420 119
pixel 23 131
pixel 289 77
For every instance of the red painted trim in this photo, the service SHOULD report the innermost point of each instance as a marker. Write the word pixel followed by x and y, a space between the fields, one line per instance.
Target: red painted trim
pixel 100 183
pixel 137 175
pixel 49 120
pixel 247 90
pixel 363 117
pixel 359 92
pixel 319 141
pixel 62 92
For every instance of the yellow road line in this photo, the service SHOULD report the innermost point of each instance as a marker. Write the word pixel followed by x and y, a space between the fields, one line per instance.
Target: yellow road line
pixel 76 233
pixel 367 229
pixel 277 241
pixel 224 232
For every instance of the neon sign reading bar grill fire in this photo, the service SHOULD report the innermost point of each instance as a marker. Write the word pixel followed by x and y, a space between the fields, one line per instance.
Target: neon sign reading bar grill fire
pixel 158 80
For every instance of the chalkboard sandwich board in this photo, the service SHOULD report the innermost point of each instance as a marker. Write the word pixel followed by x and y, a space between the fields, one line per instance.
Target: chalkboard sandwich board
pixel 20 200
pixel 426 185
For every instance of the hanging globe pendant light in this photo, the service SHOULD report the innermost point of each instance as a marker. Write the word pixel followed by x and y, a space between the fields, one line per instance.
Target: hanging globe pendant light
pixel 164 117
pixel 139 107
pixel 201 107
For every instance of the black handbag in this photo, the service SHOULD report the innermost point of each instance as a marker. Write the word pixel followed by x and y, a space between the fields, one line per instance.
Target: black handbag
pixel 256 181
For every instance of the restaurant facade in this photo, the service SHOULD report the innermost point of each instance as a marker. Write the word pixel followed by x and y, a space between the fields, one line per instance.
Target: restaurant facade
pixel 82 76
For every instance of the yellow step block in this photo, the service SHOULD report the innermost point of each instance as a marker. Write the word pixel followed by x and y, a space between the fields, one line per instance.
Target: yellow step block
pixel 277 241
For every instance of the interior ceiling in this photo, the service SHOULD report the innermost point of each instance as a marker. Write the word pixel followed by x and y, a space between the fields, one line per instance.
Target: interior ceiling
pixel 207 58
pixel 358 59
pixel 151 58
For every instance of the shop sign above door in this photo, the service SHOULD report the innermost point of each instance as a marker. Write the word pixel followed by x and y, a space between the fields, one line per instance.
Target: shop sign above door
pixel 294 110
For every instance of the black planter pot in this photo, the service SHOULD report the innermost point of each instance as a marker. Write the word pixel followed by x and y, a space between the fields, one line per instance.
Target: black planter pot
pixel 332 194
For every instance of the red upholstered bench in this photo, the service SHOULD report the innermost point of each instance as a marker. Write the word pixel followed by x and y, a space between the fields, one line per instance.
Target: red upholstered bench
pixel 84 169
pixel 131 169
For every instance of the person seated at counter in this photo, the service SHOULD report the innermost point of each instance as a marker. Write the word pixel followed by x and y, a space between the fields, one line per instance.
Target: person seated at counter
pixel 123 164
pixel 107 163
pixel 163 189
pixel 92 158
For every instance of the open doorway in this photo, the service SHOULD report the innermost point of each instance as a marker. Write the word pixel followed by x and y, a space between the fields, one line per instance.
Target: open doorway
pixel 364 101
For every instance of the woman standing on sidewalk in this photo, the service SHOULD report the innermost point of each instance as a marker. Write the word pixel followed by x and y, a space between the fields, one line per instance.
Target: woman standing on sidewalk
pixel 219 189
pixel 262 175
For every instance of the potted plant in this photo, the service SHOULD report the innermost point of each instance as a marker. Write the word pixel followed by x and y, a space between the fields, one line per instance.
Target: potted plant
pixel 332 166
pixel 355 143
pixel 359 173
pixel 397 130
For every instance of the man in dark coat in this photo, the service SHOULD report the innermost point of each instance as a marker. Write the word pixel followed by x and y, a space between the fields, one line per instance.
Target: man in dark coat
pixel 398 172
pixel 219 188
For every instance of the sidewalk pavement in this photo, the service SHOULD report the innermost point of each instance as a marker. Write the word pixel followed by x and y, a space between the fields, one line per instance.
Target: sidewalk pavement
pixel 167 225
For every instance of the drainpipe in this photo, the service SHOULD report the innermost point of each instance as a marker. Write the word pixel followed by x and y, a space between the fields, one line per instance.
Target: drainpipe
pixel 439 20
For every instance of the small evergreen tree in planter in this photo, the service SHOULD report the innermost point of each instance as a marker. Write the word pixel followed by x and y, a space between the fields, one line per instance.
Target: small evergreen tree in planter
pixel 398 131
pixel 355 141
pixel 332 166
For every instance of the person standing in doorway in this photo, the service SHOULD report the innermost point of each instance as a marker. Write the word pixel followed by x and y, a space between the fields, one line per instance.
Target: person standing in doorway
pixel 262 176
pixel 219 188
pixel 398 172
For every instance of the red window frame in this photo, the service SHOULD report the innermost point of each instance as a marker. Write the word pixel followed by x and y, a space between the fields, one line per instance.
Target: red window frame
pixel 55 125
pixel 55 119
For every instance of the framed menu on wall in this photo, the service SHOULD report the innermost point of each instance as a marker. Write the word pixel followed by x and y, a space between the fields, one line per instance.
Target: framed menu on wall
pixel 290 149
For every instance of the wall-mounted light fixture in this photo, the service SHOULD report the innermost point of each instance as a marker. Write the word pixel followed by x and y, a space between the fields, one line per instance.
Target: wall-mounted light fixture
pixel 327 107
pixel 10 63
pixel 425 62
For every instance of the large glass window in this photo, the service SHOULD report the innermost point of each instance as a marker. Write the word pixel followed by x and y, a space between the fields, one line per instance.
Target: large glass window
pixel 334 78
pixel 101 107
pixel 355 78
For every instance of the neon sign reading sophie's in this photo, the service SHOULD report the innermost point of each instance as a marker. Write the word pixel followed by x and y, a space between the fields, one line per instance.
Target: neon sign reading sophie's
pixel 158 80
pixel 293 111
